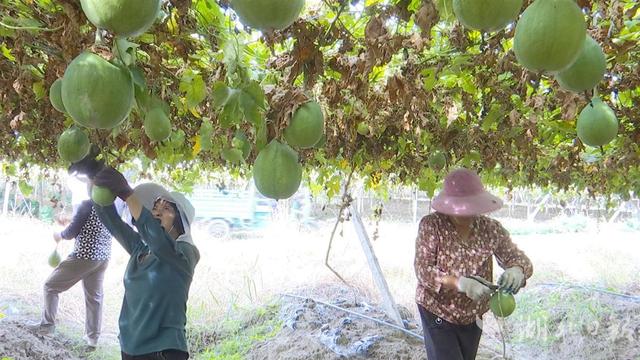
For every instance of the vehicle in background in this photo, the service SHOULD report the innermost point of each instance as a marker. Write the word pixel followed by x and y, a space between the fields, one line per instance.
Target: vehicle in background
pixel 223 211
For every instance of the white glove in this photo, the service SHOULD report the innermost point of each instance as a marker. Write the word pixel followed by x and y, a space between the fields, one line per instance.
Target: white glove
pixel 512 279
pixel 474 289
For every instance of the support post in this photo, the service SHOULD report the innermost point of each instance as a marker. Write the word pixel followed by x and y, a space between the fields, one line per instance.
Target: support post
pixel 378 277
pixel 415 204
pixel 538 207
pixel 5 203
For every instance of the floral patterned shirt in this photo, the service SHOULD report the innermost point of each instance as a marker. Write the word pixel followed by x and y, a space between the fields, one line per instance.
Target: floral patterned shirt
pixel 440 252
pixel 93 240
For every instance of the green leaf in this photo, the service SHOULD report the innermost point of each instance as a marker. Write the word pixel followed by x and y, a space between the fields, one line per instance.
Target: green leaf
pixel 7 33
pixel 333 185
pixel 470 158
pixel 231 53
pixel 492 119
pixel 253 115
pixel 377 73
pixel 466 83
pixel 172 23
pixel 460 62
pixel 177 139
pixel 25 188
pixel 6 52
pixel 231 113
pixel 249 108
pixel 428 78
pixel 505 76
pixel 146 38
pixel 9 169
pixel 445 9
pixel 140 87
pixel 427 181
pixel 26 22
pixel 205 133
pixel 197 93
pixel 208 13
pixel 125 50
pixel 257 94
pixel 220 94
pixel 38 89
pixel 625 98
pixel 138 77
pixel 142 99
pixel 415 5
pixel 194 88
pixel 261 135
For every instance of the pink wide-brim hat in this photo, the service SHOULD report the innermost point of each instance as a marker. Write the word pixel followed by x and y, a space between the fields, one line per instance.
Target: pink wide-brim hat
pixel 464 195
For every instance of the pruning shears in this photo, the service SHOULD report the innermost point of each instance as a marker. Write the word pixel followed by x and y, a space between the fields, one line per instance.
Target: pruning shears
pixel 485 282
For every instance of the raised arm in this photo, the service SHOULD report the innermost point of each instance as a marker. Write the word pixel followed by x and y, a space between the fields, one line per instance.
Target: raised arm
pixel 149 229
pixel 78 221
pixel 182 255
pixel 123 233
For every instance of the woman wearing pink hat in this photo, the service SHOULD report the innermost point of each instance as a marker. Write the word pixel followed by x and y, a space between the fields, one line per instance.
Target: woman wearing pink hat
pixel 454 266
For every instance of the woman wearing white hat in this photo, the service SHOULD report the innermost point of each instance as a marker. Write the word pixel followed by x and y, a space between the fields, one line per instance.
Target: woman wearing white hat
pixel 159 273
pixel 454 266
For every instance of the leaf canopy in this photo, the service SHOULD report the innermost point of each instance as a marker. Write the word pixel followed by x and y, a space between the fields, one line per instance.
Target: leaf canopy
pixel 406 68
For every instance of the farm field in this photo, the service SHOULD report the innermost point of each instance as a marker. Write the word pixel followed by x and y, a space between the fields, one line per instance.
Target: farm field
pixel 240 306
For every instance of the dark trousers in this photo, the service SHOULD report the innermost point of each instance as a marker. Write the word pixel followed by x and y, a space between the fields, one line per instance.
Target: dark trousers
pixel 169 354
pixel 447 341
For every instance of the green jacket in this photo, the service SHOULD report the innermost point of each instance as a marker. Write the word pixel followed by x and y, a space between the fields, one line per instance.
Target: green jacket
pixel 156 283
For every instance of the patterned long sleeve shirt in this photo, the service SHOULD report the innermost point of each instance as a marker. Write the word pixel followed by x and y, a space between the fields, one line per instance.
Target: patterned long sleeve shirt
pixel 92 239
pixel 439 252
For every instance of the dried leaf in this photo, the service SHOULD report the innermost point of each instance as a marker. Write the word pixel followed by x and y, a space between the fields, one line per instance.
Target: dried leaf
pixel 426 18
pixel 514 117
pixel 375 29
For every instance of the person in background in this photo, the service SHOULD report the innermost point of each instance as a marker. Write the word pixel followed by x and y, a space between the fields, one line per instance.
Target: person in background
pixel 160 268
pixel 87 262
pixel 454 254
